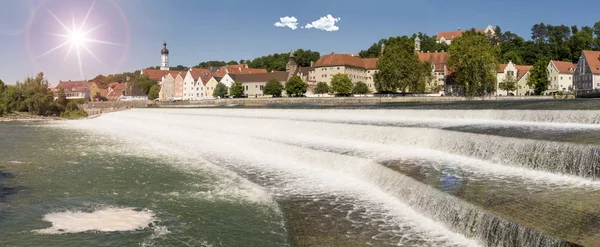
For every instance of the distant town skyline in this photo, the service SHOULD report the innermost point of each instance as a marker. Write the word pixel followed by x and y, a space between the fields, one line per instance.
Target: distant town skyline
pixel 132 32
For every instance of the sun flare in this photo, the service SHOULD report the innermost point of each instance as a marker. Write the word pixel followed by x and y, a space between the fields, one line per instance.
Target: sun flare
pixel 76 37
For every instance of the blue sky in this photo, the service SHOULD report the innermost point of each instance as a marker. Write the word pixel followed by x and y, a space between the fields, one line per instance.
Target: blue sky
pixel 198 30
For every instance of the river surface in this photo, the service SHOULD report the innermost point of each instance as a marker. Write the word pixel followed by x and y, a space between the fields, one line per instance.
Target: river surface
pixel 406 176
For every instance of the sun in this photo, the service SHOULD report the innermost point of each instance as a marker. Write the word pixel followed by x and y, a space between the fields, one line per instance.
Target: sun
pixel 77 38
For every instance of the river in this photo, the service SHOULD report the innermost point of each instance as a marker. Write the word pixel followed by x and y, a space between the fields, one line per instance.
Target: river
pixel 373 176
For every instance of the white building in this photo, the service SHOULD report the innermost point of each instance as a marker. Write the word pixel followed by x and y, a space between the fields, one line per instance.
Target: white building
pixel 560 75
pixel 194 84
pixel 447 37
pixel 164 57
pixel 519 73
pixel 587 73
pixel 73 89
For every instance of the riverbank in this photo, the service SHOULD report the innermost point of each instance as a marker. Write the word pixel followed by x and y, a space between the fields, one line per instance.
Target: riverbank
pixel 26 117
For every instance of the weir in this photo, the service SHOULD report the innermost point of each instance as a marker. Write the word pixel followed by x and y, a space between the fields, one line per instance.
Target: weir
pixel 403 164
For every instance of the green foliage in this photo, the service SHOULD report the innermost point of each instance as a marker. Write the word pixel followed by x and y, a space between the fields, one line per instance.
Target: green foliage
pixel 474 62
pixel 428 43
pixel 154 91
pixel 220 90
pixel 236 90
pixel 322 88
pixel 295 87
pixel 74 114
pixel 62 98
pixel 38 96
pixel 273 87
pixel 276 61
pixel 509 84
pixel 144 83
pixel 341 84
pixel 360 88
pixel 400 68
pixel 538 77
pixel 176 68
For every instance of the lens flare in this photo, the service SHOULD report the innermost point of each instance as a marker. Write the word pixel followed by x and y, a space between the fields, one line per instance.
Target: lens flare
pixel 77 38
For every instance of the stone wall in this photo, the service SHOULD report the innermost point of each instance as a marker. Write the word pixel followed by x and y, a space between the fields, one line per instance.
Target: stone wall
pixel 96 107
pixel 334 101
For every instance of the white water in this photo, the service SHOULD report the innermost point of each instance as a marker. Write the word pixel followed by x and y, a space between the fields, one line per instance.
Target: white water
pixel 291 153
pixel 101 220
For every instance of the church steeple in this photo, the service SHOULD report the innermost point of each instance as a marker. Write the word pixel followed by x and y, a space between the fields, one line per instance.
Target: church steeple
pixel 164 57
pixel 417 45
pixel 291 65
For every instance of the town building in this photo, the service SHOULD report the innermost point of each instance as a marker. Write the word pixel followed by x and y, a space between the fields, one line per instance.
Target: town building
pixel 586 77
pixel 73 89
pixel 194 84
pixel 131 92
pixel 255 83
pixel 447 37
pixel 519 73
pixel 560 75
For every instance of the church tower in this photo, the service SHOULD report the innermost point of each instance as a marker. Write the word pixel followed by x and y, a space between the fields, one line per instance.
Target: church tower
pixel 417 45
pixel 291 65
pixel 164 57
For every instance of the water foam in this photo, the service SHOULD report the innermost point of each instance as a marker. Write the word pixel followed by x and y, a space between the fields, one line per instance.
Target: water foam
pixel 101 220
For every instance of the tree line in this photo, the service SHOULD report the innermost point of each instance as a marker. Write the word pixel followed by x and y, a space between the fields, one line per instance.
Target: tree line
pixel 276 61
pixel 35 97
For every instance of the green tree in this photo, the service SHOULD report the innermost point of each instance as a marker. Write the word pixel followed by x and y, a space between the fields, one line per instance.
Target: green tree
pixel 273 88
pixel 508 84
pixel 295 87
pixel 154 92
pixel 474 62
pixel 360 88
pixel 538 77
pixel 220 91
pixel 236 90
pixel 62 98
pixel 400 68
pixel 38 97
pixel 322 88
pixel 341 84
pixel 232 62
pixel 144 83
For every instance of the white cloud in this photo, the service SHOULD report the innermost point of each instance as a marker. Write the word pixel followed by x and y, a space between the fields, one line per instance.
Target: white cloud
pixel 287 21
pixel 325 23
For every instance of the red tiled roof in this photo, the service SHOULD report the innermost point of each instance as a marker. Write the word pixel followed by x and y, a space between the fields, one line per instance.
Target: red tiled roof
pixel 593 60
pixel 522 70
pixel 73 86
pixel 115 91
pixel 564 67
pixel 501 68
pixel 370 63
pixel 198 73
pixel 453 34
pixel 155 74
pixel 436 58
pixel 340 60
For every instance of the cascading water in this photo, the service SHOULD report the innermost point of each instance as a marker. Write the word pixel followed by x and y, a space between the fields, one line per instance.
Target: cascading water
pixel 388 177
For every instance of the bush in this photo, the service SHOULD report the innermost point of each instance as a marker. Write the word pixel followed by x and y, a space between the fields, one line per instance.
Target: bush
pixel 74 114
pixel 341 84
pixel 360 88
pixel 273 87
pixel 295 87
pixel 322 88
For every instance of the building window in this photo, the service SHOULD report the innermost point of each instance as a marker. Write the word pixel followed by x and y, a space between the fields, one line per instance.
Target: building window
pixel 561 77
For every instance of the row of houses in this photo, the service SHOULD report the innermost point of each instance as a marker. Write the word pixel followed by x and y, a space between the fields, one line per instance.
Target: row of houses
pixel 199 83
pixel 90 91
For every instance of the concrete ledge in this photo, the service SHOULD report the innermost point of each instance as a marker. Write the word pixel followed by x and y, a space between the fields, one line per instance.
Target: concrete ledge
pixel 336 101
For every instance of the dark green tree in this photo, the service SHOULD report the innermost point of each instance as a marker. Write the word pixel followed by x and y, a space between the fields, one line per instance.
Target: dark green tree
pixel 341 84
pixel 154 92
pixel 400 68
pixel 236 90
pixel 508 84
pixel 144 83
pixel 538 77
pixel 474 62
pixel 321 88
pixel 360 88
pixel 273 88
pixel 295 87
pixel 38 97
pixel 220 90
pixel 62 98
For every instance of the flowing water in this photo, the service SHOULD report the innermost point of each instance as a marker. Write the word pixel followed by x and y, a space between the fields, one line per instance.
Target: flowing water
pixel 304 177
